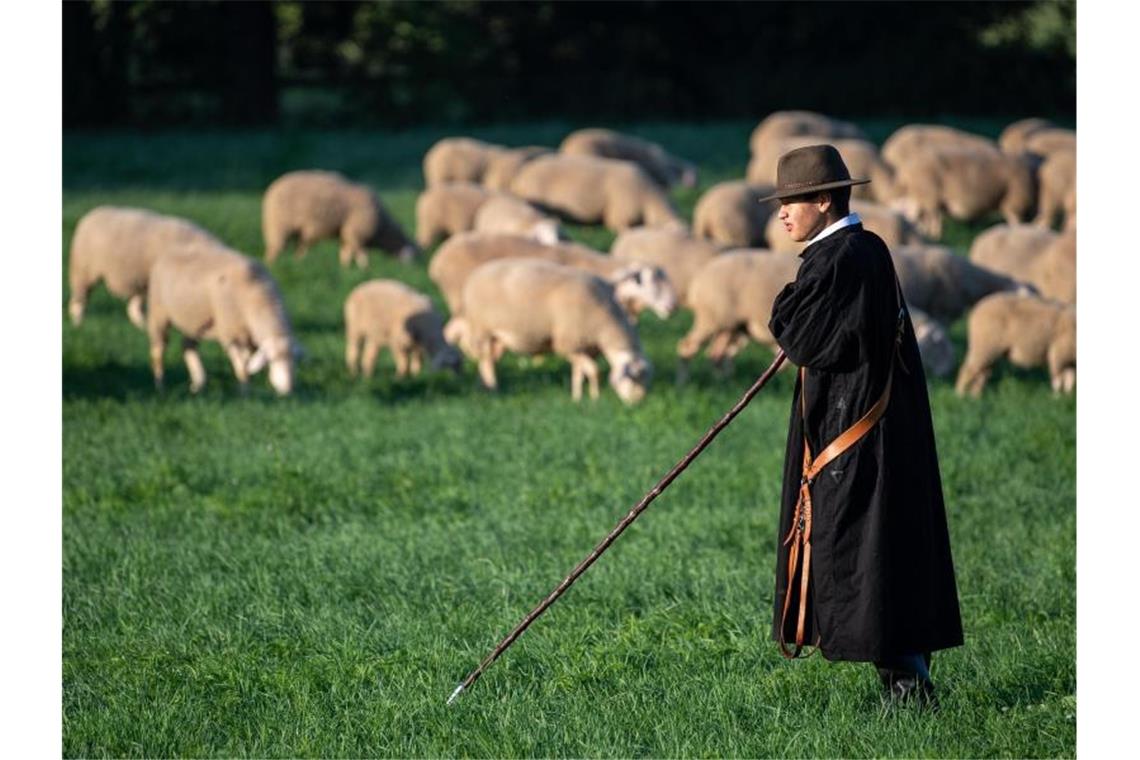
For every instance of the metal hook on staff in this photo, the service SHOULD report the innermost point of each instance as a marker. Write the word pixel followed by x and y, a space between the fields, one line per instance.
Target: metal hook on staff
pixel 621 526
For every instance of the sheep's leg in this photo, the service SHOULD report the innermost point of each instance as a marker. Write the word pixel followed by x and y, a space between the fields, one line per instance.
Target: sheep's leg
pixel 274 244
pixel 193 364
pixel 415 360
pixel 360 258
pixel 78 301
pixel 690 345
pixel 346 254
pixel 135 311
pixel 1046 211
pixel 1068 379
pixel 352 351
pixel 576 374
pixel 590 368
pixel 239 360
pixel 302 249
pixel 371 351
pixel 157 333
pixel 400 354
pixel 487 372
pixel 972 377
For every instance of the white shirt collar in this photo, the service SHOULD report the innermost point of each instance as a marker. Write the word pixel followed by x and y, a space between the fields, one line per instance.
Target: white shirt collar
pixel 846 221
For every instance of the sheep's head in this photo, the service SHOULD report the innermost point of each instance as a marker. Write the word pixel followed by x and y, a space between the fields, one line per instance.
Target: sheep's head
pixel 646 287
pixel 933 345
pixel 447 357
pixel 630 375
pixel 279 352
pixel 547 232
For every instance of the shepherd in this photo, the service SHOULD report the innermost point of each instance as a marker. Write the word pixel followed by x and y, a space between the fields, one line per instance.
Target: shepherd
pixel 864 571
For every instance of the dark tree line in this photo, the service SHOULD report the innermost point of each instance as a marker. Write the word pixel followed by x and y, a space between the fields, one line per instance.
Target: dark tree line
pixel 460 61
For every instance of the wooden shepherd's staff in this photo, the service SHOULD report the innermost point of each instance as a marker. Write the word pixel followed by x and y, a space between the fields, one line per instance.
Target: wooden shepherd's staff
pixel 621 526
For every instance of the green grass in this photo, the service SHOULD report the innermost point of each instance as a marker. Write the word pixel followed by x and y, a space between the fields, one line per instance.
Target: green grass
pixel 312 576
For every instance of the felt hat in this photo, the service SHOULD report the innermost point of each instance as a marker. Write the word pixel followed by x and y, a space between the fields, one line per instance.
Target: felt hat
pixel 810 169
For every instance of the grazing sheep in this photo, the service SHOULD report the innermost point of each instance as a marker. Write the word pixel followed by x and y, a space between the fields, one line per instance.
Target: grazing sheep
pixel 535 307
pixel 731 298
pixel 945 285
pixel 119 246
pixel 675 251
pixel 860 156
pixel 1012 139
pixel 966 184
pixel 780 124
pixel 504 163
pixel 1057 179
pixel 885 222
pixel 913 140
pixel 730 214
pixel 638 286
pixel 444 210
pixel 381 313
pixel 665 169
pixel 208 291
pixel 591 190
pixel 1030 331
pixel 510 215
pixel 315 205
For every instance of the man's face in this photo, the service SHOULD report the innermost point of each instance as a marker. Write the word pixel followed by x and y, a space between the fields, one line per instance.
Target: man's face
pixel 804 217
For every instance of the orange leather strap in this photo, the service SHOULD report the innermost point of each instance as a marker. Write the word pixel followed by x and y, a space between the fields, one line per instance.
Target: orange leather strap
pixel 799 536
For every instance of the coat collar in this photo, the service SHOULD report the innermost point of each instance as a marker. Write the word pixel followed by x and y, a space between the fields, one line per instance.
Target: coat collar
pixel 833 236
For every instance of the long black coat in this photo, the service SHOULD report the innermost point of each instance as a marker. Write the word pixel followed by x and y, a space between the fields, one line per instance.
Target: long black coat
pixel 882 578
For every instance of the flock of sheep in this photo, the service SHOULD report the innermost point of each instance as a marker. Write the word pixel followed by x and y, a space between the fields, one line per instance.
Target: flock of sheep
pixel 513 281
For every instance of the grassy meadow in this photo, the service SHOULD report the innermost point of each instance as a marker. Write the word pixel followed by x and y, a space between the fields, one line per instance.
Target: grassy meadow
pixel 312 576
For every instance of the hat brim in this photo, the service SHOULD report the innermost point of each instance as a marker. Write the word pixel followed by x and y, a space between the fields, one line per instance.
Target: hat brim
pixel 810 189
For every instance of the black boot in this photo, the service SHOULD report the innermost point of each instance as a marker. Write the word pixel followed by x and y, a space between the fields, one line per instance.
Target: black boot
pixel 902 684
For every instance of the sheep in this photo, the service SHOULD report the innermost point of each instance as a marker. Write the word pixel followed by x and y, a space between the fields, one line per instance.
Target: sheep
pixel 665 169
pixel 444 210
pixel 504 163
pixel 507 214
pixel 315 205
pixel 119 246
pixel 1039 257
pixel 1012 138
pixel 589 190
pixel 209 291
pixel 380 313
pixel 1030 331
pixel 912 140
pixel 885 222
pixel 678 253
pixel 729 214
pixel 781 124
pixel 731 298
pixel 534 307
pixel 637 285
pixel 860 156
pixel 1056 178
pixel 966 184
pixel 943 284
